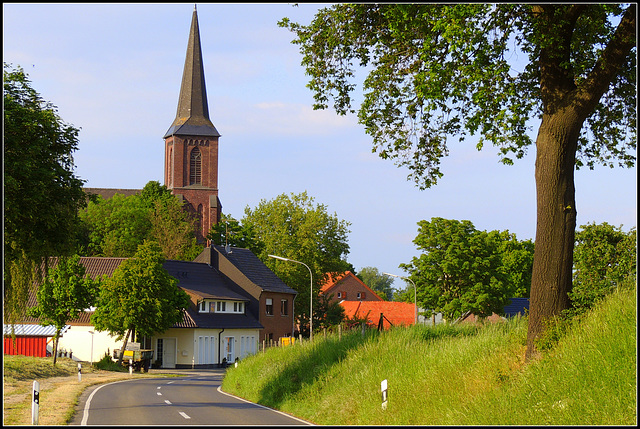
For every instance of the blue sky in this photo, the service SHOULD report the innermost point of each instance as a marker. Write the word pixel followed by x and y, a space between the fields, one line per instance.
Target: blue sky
pixel 114 70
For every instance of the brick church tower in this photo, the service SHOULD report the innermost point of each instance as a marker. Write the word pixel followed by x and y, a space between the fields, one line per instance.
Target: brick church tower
pixel 191 143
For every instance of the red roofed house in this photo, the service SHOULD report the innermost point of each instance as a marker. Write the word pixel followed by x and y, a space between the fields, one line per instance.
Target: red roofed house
pixel 348 287
pixel 360 301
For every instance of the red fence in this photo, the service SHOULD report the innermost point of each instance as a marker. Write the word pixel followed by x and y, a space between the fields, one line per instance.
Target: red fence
pixel 26 345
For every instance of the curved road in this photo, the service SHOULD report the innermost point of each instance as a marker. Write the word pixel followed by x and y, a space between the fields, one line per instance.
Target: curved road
pixel 191 400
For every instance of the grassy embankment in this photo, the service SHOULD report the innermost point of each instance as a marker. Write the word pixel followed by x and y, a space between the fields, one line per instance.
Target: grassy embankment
pixel 456 375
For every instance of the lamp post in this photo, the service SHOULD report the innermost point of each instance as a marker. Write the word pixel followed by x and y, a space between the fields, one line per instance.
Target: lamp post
pixel 311 295
pixel 91 332
pixel 415 292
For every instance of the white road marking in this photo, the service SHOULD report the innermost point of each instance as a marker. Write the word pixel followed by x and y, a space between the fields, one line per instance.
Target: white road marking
pixel 183 415
pixel 158 393
pixel 85 416
pixel 168 402
pixel 159 387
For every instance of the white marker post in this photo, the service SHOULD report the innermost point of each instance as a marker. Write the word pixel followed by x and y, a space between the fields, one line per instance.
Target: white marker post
pixel 383 388
pixel 130 366
pixel 35 405
pixel 79 372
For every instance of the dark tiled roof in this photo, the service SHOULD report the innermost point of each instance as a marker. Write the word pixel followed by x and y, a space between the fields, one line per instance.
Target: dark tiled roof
pixel 201 280
pixel 255 270
pixel 191 318
pixel 516 306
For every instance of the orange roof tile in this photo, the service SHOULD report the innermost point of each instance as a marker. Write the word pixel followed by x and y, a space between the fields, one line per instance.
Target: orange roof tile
pixel 398 313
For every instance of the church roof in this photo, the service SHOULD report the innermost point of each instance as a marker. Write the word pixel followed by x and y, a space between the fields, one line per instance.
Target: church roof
pixel 192 117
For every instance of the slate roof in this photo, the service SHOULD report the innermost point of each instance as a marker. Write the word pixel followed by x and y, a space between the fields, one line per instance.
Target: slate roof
pixel 398 313
pixel 516 306
pixel 192 117
pixel 254 269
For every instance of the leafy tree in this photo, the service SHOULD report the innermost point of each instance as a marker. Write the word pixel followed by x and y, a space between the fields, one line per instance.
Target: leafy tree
pixel 232 232
pixel 42 194
pixel 604 259
pixel 294 227
pixel 440 70
pixel 140 296
pixel 64 295
pixel 377 281
pixel 116 226
pixel 462 269
pixel 328 312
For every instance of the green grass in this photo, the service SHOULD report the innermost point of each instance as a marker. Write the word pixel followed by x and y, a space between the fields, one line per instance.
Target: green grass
pixel 455 375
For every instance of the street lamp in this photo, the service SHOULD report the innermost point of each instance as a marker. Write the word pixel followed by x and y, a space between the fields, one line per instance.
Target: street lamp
pixel 91 332
pixel 311 296
pixel 415 292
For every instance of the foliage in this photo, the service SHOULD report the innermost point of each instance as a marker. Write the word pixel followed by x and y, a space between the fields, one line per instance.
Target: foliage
pixel 41 192
pixel 377 281
pixel 328 312
pixel 140 296
pixel 436 71
pixel 294 227
pixel 604 258
pixel 107 364
pixel 232 232
pixel 115 227
pixel 64 295
pixel 451 70
pixel 463 270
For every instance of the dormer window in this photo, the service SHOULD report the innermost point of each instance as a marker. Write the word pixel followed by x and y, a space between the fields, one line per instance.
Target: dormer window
pixel 211 306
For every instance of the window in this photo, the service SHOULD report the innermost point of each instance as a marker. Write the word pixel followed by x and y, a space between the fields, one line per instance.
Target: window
pixel 269 306
pixel 211 307
pixel 284 307
pixel 195 177
pixel 361 295
pixel 339 294
pixel 221 306
pixel 202 308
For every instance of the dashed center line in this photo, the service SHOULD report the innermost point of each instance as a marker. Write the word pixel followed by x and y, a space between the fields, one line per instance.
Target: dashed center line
pixel 167 401
pixel 183 415
pixel 159 394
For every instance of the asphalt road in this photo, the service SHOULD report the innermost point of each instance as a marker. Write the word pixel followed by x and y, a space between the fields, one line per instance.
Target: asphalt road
pixel 193 399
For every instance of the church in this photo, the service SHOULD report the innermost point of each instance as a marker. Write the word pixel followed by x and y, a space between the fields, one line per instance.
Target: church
pixel 190 146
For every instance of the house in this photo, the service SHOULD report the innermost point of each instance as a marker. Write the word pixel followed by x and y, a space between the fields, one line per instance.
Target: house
pixel 271 301
pixel 391 313
pixel 235 302
pixel 347 287
pixel 30 340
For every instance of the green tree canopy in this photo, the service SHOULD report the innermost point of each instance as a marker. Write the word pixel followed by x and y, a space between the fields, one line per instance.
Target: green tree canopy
pixel 140 296
pixel 604 259
pixel 115 227
pixel 464 270
pixel 232 232
pixel 378 282
pixel 42 194
pixel 64 295
pixel 295 227
pixel 441 71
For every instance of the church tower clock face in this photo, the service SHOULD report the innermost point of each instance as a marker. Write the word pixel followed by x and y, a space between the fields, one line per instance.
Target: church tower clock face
pixel 191 143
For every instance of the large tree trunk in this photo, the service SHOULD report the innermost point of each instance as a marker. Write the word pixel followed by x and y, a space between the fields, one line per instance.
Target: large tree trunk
pixel 556 220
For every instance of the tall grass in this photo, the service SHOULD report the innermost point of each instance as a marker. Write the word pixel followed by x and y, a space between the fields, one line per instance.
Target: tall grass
pixel 455 375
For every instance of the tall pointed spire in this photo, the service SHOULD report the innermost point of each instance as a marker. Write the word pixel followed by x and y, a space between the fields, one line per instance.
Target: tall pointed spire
pixel 192 117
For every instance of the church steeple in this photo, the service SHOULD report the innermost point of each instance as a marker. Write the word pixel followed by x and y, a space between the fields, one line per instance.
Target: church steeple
pixel 191 144
pixel 192 117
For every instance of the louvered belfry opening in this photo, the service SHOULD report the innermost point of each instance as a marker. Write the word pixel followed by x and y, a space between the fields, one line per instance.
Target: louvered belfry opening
pixel 195 175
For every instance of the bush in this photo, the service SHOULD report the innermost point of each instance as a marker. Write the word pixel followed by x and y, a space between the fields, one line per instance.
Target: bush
pixel 107 364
